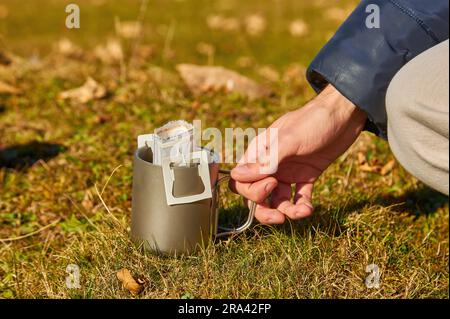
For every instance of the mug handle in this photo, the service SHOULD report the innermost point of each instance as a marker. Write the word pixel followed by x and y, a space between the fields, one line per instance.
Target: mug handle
pixel 224 231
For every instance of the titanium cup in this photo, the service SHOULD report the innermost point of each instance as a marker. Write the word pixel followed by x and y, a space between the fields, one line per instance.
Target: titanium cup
pixel 190 222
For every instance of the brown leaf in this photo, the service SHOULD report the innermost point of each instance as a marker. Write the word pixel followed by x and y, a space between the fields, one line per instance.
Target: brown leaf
pixel 387 168
pixel 255 24
pixel 129 283
pixel 245 62
pixel 361 158
pixel 367 168
pixel 218 22
pixel 298 28
pixel 269 73
pixel 68 48
pixel 87 202
pixel 201 79
pixel 205 49
pixel 88 91
pixel 5 88
pixel 128 29
pixel 109 53
pixel 294 73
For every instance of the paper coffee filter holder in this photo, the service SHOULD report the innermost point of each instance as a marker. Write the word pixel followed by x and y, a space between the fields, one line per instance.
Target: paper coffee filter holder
pixel 182 158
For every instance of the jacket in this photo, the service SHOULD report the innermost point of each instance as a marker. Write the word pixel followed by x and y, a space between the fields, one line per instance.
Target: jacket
pixel 360 61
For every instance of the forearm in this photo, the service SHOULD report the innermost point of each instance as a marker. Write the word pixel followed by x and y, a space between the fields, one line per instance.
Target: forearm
pixel 361 61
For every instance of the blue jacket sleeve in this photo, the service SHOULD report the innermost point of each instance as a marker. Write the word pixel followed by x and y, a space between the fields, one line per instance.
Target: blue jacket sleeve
pixel 360 62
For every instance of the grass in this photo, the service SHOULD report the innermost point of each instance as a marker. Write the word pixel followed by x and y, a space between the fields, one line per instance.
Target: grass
pixel 54 154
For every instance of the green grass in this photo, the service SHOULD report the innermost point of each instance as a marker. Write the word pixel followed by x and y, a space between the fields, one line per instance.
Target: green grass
pixel 54 153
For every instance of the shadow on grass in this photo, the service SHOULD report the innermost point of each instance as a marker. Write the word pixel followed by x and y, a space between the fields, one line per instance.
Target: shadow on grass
pixel 21 157
pixel 423 201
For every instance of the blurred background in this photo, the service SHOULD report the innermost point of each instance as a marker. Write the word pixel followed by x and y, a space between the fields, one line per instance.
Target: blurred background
pixel 276 32
pixel 73 101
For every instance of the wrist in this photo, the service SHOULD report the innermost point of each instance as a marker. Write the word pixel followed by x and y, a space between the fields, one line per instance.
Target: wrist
pixel 333 100
pixel 336 103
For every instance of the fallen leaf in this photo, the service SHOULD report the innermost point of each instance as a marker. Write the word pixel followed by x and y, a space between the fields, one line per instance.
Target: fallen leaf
pixel 205 49
pixel 129 283
pixel 298 28
pixel 367 168
pixel 128 29
pixel 88 91
pixel 163 77
pixel 145 51
pixel 269 73
pixel 218 22
pixel 201 79
pixel 361 158
pixel 68 48
pixel 87 202
pixel 5 88
pixel 387 168
pixel 109 53
pixel 245 61
pixel 295 73
pixel 255 24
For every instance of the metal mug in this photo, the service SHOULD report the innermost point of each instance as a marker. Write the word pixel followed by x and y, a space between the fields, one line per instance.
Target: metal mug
pixel 184 226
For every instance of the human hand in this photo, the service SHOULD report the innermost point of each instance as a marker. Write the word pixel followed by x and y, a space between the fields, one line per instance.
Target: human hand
pixel 309 140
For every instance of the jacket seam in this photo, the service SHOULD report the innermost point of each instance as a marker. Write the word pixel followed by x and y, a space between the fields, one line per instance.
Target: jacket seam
pixel 419 21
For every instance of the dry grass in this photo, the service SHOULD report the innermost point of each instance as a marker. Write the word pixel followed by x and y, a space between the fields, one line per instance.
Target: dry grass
pixel 54 154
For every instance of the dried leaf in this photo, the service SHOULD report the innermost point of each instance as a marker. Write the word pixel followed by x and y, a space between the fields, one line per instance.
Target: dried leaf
pixel 89 91
pixel 145 51
pixel 162 76
pixel 109 53
pixel 245 62
pixel 218 22
pixel 68 48
pixel 298 28
pixel 295 73
pixel 87 202
pixel 387 168
pixel 367 168
pixel 205 49
pixel 269 73
pixel 5 88
pixel 129 283
pixel 128 29
pixel 201 79
pixel 255 24
pixel 361 158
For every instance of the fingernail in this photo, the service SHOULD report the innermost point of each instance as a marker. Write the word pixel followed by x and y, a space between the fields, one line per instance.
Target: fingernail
pixel 269 187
